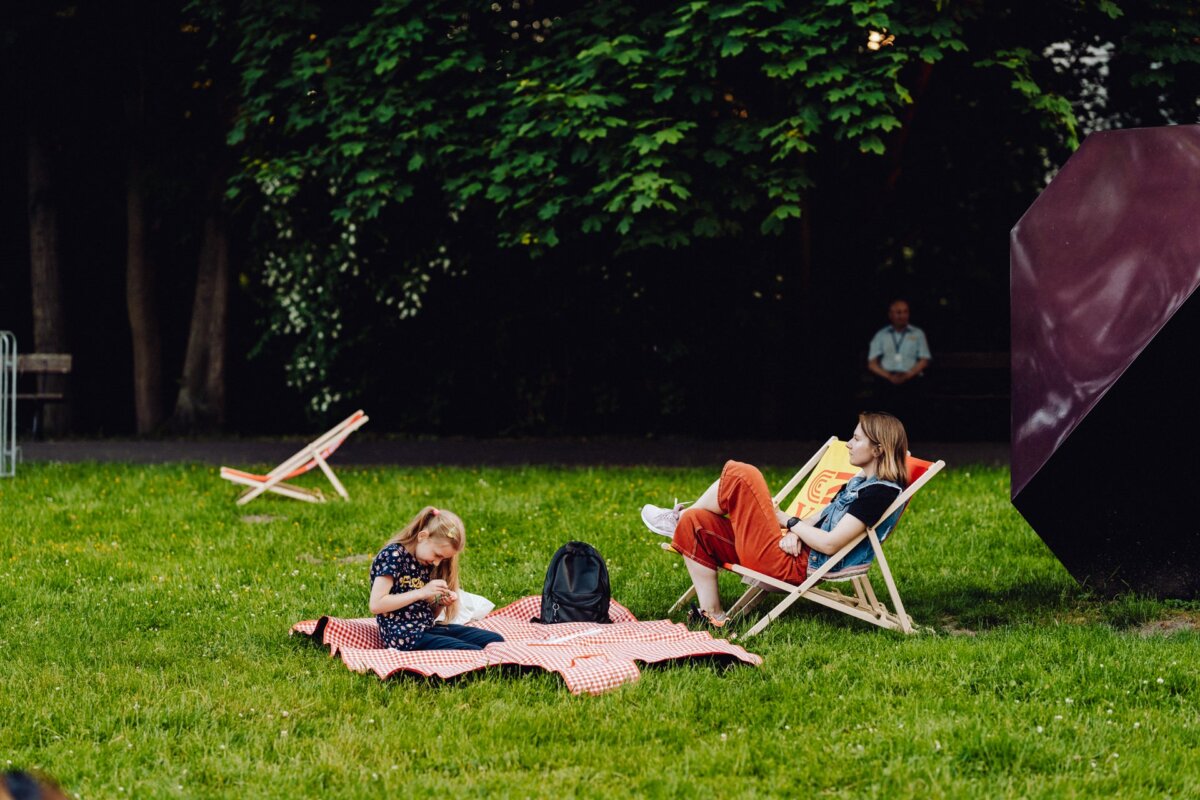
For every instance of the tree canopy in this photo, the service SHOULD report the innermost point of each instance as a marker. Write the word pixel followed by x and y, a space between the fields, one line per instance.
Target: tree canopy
pixel 521 191
pixel 385 140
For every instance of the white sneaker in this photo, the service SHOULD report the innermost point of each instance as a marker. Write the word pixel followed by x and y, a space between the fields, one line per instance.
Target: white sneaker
pixel 662 520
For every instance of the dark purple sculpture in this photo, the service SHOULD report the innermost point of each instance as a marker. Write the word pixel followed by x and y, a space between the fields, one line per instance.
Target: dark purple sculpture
pixel 1105 358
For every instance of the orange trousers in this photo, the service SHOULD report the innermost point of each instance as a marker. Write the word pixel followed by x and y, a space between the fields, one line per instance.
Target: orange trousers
pixel 749 532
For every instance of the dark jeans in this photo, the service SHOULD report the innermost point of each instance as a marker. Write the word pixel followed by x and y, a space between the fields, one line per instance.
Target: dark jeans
pixel 456 637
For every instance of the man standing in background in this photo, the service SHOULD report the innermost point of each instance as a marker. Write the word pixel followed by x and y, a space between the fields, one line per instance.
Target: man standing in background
pixel 898 354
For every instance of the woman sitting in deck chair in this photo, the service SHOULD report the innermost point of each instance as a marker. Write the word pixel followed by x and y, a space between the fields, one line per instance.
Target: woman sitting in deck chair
pixel 736 520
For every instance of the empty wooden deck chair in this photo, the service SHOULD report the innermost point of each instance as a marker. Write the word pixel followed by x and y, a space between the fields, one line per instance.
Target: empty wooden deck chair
pixel 314 454
pixel 828 470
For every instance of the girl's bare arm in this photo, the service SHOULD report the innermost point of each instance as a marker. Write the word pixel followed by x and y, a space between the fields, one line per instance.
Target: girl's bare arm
pixel 382 602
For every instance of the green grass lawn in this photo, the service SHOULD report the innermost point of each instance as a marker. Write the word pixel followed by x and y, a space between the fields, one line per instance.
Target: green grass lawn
pixel 144 624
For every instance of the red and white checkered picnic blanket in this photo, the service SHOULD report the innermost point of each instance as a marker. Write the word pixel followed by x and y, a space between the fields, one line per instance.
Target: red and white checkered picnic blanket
pixel 591 658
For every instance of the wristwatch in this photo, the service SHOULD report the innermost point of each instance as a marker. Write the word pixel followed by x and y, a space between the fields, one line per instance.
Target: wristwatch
pixel 791 523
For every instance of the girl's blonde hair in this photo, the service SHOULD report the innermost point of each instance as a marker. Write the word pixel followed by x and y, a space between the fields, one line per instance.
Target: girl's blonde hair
pixel 441 524
pixel 888 434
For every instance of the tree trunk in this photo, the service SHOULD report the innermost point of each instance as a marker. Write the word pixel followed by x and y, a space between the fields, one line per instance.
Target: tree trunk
pixel 900 137
pixel 140 297
pixel 49 319
pixel 214 383
pixel 806 249
pixel 200 403
pixel 189 403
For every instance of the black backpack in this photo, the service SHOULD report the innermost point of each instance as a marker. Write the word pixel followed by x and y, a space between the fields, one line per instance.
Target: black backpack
pixel 576 587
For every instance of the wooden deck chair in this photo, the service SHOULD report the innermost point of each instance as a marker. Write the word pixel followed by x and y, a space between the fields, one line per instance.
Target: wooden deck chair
pixel 314 454
pixel 830 468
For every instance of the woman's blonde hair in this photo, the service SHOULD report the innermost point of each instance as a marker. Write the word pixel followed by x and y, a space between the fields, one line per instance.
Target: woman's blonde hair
pixel 887 433
pixel 441 524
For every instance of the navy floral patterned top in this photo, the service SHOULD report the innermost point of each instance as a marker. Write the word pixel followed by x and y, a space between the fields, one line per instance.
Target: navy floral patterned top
pixel 403 629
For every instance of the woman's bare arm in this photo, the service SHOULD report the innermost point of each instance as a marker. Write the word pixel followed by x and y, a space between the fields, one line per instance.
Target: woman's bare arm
pixel 829 542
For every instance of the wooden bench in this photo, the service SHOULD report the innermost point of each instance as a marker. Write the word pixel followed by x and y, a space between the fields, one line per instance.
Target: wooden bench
pixel 43 365
pixel 969 392
pixel 970 375
pixel 964 375
pixel 961 395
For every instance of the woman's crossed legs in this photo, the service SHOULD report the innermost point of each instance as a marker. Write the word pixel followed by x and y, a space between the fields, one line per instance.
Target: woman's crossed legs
pixel 733 521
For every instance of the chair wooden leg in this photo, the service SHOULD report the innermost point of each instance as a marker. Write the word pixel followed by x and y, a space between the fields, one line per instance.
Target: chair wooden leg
pixel 859 594
pixel 332 478
pixel 250 494
pixel 688 595
pixel 772 615
pixel 753 604
pixel 893 592
pixel 748 600
pixel 872 600
pixel 285 489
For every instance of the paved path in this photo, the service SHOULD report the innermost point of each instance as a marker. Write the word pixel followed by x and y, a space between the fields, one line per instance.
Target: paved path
pixel 483 452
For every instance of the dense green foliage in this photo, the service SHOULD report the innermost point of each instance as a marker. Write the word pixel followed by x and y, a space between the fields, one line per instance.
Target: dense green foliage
pixel 703 183
pixel 385 143
pixel 144 619
pixel 663 123
pixel 392 142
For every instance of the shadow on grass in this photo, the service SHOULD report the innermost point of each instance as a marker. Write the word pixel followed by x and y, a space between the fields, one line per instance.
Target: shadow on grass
pixel 973 609
pixel 711 663
pixel 714 664
pixel 1033 603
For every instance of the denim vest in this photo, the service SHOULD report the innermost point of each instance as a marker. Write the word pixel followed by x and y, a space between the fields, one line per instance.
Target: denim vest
pixel 832 515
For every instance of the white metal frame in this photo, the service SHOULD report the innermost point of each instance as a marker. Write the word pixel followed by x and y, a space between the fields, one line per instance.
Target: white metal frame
pixel 8 405
pixel 864 604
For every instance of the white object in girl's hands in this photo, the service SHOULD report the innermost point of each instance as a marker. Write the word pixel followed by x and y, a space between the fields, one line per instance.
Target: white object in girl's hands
pixel 470 608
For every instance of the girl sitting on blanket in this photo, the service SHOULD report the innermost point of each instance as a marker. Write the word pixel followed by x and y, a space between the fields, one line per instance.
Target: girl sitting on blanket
pixel 414 577
pixel 736 520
